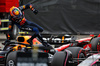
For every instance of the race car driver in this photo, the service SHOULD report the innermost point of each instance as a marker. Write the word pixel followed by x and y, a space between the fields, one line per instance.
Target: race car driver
pixel 17 17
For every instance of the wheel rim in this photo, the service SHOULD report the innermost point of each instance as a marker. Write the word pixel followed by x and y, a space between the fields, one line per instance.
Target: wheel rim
pixel 11 63
pixel 82 55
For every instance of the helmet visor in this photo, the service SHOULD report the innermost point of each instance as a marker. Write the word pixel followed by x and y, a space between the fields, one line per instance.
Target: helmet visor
pixel 17 13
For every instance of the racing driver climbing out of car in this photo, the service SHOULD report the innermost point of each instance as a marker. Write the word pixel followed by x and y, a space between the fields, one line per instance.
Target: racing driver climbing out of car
pixel 17 17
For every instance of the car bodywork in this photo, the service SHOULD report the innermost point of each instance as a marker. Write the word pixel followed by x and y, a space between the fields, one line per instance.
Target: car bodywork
pixel 22 43
pixel 93 60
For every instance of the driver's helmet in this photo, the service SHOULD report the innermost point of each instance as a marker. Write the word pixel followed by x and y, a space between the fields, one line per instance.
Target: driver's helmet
pixel 15 12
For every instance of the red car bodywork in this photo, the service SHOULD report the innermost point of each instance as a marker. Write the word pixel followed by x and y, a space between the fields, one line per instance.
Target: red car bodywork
pixel 83 41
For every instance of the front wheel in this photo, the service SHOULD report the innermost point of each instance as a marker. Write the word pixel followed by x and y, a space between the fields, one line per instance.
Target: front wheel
pixel 61 58
pixel 11 59
pixel 95 43
pixel 14 33
pixel 77 53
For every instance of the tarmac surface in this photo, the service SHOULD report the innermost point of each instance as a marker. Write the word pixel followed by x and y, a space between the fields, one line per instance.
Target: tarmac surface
pixel 2 39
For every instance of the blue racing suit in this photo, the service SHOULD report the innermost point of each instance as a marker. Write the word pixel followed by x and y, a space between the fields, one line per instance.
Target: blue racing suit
pixel 26 25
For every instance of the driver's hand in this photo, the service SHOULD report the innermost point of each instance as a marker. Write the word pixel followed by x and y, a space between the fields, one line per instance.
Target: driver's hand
pixel 35 11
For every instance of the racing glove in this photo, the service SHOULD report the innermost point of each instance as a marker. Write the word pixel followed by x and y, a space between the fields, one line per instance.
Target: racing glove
pixel 35 11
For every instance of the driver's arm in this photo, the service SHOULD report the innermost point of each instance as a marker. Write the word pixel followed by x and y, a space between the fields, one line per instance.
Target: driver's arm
pixel 27 6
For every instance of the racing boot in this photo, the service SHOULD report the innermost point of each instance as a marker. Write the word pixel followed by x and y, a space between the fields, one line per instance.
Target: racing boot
pixel 51 49
pixel 43 42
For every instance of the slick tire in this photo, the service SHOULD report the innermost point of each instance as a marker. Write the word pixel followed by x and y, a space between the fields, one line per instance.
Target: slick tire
pixel 14 33
pixel 95 44
pixel 61 58
pixel 11 59
pixel 76 53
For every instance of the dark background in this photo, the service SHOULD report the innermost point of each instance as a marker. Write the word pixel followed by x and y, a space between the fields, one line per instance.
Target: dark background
pixel 66 16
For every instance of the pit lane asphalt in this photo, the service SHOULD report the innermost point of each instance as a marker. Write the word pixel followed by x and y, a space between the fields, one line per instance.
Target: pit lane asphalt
pixel 3 38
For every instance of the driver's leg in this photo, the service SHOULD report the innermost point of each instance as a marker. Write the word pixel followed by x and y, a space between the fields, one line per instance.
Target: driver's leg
pixel 34 35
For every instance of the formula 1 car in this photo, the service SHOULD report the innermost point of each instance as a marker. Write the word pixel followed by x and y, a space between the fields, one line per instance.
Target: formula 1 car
pixel 93 60
pixel 92 49
pixel 14 50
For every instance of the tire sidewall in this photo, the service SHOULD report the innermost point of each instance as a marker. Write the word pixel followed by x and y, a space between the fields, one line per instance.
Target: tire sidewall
pixel 10 63
pixel 75 51
pixel 11 58
pixel 60 58
pixel 94 42
pixel 14 33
